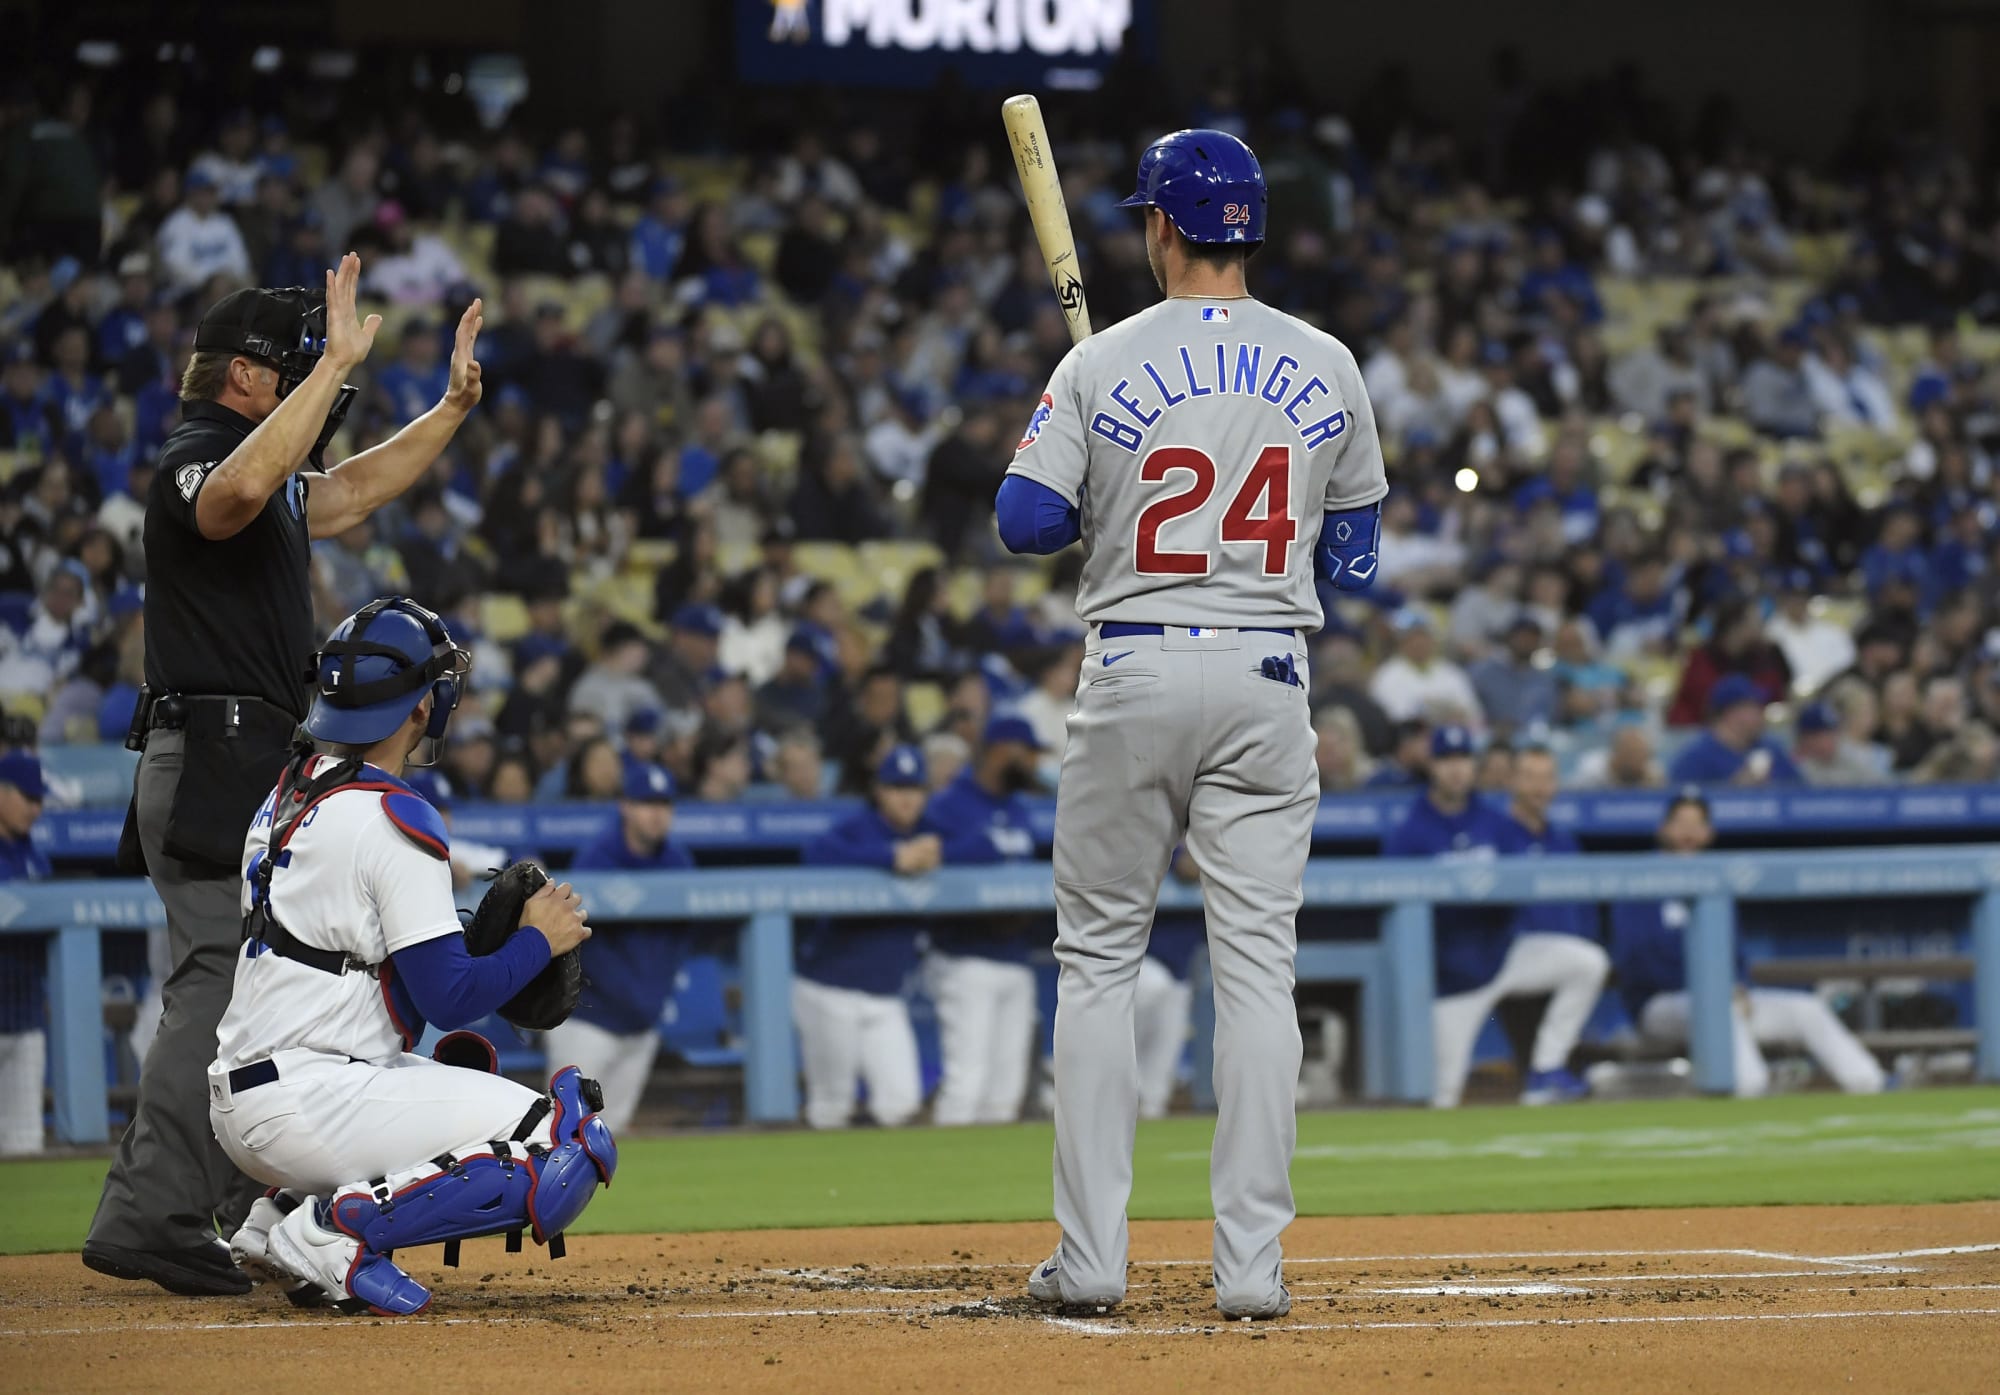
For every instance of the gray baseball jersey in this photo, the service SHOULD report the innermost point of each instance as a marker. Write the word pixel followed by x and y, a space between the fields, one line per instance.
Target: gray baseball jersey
pixel 1204 439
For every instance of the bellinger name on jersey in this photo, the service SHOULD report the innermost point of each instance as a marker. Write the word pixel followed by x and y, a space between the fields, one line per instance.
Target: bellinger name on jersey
pixel 1222 369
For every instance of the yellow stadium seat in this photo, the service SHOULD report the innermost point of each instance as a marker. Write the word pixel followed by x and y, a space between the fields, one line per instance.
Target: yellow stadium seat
pixel 731 558
pixel 896 561
pixel 502 618
pixel 650 554
pixel 828 561
pixel 760 249
pixel 32 705
pixel 925 703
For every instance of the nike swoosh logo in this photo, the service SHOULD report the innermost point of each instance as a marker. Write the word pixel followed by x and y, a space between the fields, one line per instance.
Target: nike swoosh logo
pixel 1110 659
pixel 1048 1272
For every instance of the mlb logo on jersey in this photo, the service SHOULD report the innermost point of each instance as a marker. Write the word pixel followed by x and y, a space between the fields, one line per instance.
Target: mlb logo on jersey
pixel 1037 421
pixel 1218 313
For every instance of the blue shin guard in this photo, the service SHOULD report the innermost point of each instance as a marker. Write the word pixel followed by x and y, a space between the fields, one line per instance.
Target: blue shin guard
pixel 497 1188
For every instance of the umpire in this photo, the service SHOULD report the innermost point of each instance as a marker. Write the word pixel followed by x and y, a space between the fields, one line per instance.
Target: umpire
pixel 238 498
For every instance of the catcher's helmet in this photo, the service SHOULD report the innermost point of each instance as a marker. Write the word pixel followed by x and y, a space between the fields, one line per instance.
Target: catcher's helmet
pixel 376 667
pixel 1208 182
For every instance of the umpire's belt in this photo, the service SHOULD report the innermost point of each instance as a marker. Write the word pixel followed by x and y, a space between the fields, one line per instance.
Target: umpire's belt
pixel 1119 629
pixel 173 711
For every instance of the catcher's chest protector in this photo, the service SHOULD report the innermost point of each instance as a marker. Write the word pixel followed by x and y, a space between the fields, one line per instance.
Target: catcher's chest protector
pixel 297 795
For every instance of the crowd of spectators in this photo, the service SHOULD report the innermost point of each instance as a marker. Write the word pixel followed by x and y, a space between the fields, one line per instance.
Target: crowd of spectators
pixel 1683 439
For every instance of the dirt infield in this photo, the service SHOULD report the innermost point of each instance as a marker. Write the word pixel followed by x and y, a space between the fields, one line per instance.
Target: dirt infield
pixel 1756 1300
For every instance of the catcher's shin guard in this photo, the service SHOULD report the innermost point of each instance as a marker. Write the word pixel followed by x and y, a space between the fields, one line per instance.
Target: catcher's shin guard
pixel 539 1182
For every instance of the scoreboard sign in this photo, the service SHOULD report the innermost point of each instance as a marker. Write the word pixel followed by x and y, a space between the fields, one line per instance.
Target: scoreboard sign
pixel 989 43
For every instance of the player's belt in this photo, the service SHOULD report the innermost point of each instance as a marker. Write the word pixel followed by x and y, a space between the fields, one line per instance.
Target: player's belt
pixel 1119 629
pixel 251 1076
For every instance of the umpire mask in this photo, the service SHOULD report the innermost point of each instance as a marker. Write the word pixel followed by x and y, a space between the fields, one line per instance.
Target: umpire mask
pixel 285 328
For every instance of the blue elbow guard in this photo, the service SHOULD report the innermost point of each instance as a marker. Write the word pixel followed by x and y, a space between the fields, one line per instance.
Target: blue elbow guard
pixel 1348 542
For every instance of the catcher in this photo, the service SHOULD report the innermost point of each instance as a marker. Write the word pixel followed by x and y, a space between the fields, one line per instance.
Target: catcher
pixel 351 944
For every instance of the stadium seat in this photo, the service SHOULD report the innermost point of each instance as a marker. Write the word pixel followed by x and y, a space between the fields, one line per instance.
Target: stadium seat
pixel 925 704
pixel 696 1025
pixel 502 618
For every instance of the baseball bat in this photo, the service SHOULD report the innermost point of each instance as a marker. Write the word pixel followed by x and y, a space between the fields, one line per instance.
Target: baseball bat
pixel 1029 138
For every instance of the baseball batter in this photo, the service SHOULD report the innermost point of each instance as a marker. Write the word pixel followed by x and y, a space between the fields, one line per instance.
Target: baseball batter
pixel 352 943
pixel 1212 455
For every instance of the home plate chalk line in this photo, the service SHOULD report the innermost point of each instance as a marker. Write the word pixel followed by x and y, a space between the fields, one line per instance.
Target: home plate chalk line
pixel 1874 1265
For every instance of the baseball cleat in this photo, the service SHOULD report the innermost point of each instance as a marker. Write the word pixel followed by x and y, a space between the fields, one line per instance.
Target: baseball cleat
pixel 250 1246
pixel 1553 1087
pixel 338 1271
pixel 1261 1312
pixel 1045 1286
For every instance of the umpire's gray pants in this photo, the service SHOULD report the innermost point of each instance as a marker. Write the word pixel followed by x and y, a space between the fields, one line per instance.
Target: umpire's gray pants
pixel 1182 737
pixel 170 1183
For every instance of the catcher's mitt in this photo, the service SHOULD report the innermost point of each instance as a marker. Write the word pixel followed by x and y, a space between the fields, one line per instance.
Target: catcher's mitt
pixel 550 995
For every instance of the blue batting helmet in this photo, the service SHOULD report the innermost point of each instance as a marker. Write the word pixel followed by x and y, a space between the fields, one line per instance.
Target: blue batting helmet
pixel 377 666
pixel 1207 182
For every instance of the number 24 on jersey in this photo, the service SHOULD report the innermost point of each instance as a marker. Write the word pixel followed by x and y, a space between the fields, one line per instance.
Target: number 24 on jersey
pixel 1260 513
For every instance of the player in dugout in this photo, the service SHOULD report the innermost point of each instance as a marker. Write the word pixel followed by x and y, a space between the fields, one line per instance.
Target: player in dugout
pixel 847 1000
pixel 1647 948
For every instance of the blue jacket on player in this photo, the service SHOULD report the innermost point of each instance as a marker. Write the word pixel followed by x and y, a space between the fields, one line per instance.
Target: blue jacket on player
pixel 1577 918
pixel 1648 950
pixel 22 961
pixel 978 827
pixel 867 956
pixel 1471 940
pixel 1707 761
pixel 628 968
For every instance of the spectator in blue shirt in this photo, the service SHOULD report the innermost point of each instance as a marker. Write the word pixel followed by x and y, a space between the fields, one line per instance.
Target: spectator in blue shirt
pixel 628 968
pixel 23 1048
pixel 1555 942
pixel 416 381
pixel 28 422
pixel 1898 557
pixel 73 391
pixel 1734 748
pixel 1554 276
pixel 659 237
pixel 1515 692
pixel 1647 946
pixel 847 1001
pixel 978 972
pixel 1641 613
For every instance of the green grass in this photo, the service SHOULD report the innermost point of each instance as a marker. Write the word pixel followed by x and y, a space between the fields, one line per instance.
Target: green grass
pixel 1935 1145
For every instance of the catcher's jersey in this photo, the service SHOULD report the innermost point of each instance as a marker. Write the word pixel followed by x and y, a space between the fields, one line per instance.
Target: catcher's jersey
pixel 354 883
pixel 1204 439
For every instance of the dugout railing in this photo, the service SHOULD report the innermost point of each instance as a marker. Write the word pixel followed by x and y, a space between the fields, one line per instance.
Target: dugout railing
pixel 1393 970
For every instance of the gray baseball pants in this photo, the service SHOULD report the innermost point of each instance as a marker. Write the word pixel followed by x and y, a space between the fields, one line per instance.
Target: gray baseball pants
pixel 1181 736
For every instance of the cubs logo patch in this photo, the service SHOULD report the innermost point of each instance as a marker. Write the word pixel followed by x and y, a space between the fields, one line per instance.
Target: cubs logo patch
pixel 1037 421
pixel 188 478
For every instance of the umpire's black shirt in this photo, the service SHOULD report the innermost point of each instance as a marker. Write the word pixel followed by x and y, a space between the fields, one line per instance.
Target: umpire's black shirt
pixel 231 615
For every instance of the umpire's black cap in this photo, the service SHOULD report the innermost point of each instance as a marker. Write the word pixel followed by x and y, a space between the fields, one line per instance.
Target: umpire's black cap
pixel 285 327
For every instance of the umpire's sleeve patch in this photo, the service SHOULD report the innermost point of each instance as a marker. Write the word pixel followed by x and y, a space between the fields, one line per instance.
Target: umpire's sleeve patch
pixel 420 823
pixel 188 479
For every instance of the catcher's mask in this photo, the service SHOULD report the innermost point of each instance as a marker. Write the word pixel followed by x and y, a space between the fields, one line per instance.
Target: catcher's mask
pixel 377 666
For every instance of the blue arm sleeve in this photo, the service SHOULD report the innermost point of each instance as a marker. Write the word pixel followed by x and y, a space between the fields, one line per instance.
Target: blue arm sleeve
pixel 1348 542
pixel 1034 518
pixel 453 988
